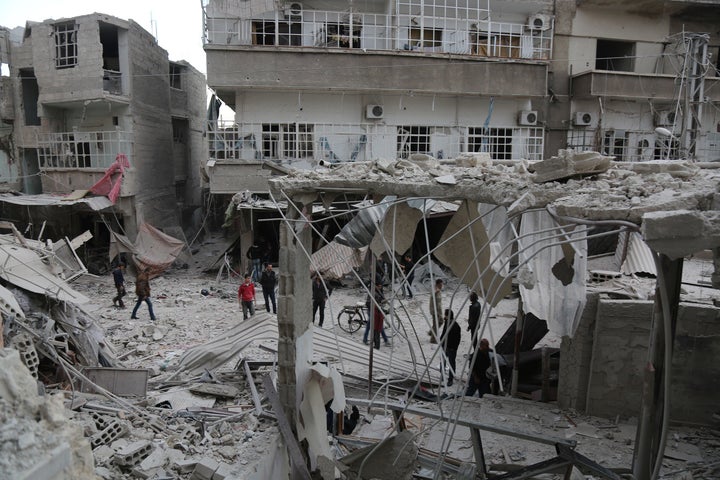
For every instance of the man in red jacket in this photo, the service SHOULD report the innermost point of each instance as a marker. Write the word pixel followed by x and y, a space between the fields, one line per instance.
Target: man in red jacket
pixel 246 297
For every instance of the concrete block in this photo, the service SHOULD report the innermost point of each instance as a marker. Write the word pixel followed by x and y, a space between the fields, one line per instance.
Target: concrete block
pixel 205 469
pixel 156 459
pixel 185 465
pixel 133 453
pixel 223 471
pixel 113 431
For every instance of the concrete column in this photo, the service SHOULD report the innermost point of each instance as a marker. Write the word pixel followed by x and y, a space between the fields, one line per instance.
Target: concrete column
pixel 294 311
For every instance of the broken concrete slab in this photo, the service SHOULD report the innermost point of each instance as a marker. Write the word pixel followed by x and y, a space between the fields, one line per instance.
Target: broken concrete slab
pixel 215 389
pixel 394 458
pixel 568 163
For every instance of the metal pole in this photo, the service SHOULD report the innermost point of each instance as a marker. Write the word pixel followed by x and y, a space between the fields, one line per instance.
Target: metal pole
pixel 371 326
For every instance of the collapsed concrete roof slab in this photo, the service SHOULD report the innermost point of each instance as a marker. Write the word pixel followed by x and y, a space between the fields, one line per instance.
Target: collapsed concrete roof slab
pixel 623 192
pixel 681 232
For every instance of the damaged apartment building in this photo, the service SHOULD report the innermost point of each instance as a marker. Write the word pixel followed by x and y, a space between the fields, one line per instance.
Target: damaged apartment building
pixel 94 98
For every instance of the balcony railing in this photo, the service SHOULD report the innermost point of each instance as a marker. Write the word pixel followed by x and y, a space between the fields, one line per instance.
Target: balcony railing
pixel 310 143
pixel 472 34
pixel 83 149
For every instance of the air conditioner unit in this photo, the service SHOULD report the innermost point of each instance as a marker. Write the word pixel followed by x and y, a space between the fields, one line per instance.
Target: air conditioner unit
pixel 582 119
pixel 664 118
pixel 539 22
pixel 374 111
pixel 527 117
pixel 293 10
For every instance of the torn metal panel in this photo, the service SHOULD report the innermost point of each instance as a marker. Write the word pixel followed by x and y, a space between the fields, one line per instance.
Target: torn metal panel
pixel 633 255
pixel 546 296
pixel 397 229
pixel 24 268
pixel 360 231
pixel 120 381
pixel 464 248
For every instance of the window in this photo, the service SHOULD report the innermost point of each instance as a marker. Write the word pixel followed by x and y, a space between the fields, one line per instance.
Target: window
pixel 412 140
pixel 30 96
pixel 338 35
pixel 176 76
pixel 504 45
pixel 615 55
pixel 65 45
pixel 280 33
pixel 287 141
pixel 495 141
pixel 425 37
pixel 615 144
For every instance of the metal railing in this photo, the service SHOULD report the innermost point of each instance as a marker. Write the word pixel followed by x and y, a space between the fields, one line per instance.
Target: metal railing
pixel 625 145
pixel 474 35
pixel 82 149
pixel 311 143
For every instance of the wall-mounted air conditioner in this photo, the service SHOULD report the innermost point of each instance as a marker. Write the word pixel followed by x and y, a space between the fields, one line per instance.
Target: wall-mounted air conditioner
pixel 527 117
pixel 582 119
pixel 539 22
pixel 293 10
pixel 374 111
pixel 664 118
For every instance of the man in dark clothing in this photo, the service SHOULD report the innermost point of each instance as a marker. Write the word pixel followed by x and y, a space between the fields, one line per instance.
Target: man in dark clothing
pixel 268 280
pixel 119 279
pixel 319 296
pixel 473 315
pixel 451 342
pixel 142 289
pixel 407 266
pixel 479 382
pixel 255 254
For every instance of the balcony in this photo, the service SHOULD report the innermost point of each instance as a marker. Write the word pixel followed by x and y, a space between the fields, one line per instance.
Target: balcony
pixel 624 85
pixel 237 152
pixel 82 150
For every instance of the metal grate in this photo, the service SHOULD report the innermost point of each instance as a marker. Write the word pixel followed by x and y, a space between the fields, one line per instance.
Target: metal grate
pixel 66 45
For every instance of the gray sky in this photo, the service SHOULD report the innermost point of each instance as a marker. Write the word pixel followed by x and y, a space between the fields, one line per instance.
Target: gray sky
pixel 177 24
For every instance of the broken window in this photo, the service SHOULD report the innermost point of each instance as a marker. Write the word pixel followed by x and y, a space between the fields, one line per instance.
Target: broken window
pixel 495 141
pixel 505 45
pixel 615 55
pixel 175 76
pixel 287 141
pixel 269 32
pixel 412 139
pixel 66 45
pixel 30 96
pixel 614 144
pixel 425 37
pixel 666 148
pixel 179 127
pixel 339 35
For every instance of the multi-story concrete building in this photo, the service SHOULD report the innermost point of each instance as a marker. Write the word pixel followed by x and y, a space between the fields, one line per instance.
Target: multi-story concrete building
pixel 83 90
pixel 637 80
pixel 314 82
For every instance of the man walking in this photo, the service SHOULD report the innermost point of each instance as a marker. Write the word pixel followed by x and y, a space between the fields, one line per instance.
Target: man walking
pixel 268 280
pixel 119 280
pixel 451 342
pixel 478 381
pixel 407 266
pixel 473 316
pixel 319 296
pixel 246 297
pixel 142 290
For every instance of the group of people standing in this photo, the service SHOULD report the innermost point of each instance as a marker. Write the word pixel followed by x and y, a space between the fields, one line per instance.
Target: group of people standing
pixel 246 292
pixel 478 381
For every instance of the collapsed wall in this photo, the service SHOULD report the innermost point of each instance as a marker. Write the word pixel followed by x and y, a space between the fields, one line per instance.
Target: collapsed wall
pixel 601 368
pixel 38 441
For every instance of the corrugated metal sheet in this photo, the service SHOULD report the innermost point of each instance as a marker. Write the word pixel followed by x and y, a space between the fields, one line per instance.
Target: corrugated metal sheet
pixel 44 199
pixel 633 255
pixel 327 347
pixel 333 260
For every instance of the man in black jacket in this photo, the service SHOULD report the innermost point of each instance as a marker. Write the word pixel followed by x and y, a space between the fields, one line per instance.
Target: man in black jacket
pixel 473 316
pixel 319 296
pixel 451 342
pixel 268 280
pixel 478 381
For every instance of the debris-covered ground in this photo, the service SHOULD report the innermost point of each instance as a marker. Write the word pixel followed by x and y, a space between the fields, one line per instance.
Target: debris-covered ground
pixel 212 421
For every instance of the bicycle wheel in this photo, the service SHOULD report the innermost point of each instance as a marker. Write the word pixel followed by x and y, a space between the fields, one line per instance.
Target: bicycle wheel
pixel 350 321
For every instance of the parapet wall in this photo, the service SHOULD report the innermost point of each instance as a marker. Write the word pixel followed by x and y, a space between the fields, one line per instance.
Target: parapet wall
pixel 601 368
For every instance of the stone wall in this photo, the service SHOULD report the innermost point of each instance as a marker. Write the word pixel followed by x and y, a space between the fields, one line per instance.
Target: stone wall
pixel 601 367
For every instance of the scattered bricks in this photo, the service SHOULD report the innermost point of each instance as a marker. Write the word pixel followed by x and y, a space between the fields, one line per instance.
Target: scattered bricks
pixel 223 471
pixel 133 453
pixel 205 469
pixel 103 454
pixel 101 421
pixel 114 430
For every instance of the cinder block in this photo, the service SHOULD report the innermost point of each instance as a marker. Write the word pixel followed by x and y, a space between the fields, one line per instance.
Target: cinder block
pixel 185 466
pixel 223 471
pixel 205 469
pixel 133 453
pixel 110 433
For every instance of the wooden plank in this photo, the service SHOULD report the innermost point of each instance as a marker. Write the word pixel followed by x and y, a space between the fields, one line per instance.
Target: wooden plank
pixel 253 389
pixel 298 467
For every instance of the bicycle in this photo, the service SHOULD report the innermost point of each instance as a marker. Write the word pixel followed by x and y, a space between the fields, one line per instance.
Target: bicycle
pixel 352 317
